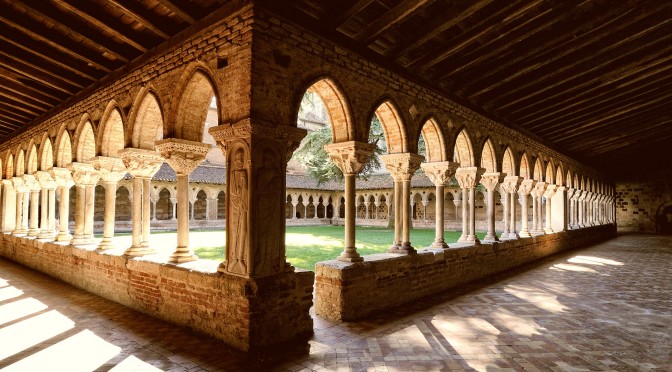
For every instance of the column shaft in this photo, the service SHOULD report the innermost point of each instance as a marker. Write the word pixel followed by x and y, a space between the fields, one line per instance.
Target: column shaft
pixel 64 215
pixel 146 207
pixel 439 241
pixel 350 252
pixel 109 218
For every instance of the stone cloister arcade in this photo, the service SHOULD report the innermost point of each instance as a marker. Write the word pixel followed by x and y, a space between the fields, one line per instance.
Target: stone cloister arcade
pixel 155 113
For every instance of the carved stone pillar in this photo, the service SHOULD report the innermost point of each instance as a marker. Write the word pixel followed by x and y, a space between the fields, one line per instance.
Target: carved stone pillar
pixel 48 204
pixel 34 191
pixel 21 189
pixel 111 171
pixel 524 190
pixel 256 157
pixel 490 181
pixel 548 194
pixel 142 165
pixel 8 206
pixel 401 168
pixel 64 181
pixel 350 157
pixel 537 212
pixel 510 187
pixel 468 178
pixel 440 173
pixel 183 156
pixel 86 177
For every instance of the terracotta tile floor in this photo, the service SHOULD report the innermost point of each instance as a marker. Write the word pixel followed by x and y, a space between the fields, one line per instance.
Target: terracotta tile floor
pixel 606 307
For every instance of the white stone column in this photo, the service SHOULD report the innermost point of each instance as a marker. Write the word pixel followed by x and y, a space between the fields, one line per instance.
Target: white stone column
pixel 86 177
pixel 20 187
pixel 468 178
pixel 111 171
pixel 548 194
pixel 401 168
pixel 47 231
pixel 440 174
pixel 490 181
pixel 294 204
pixel 510 187
pixel 183 156
pixel 8 206
pixel 142 165
pixel 173 202
pixel 34 228
pixel 537 194
pixel 64 181
pixel 524 191
pixel 570 208
pixel 582 208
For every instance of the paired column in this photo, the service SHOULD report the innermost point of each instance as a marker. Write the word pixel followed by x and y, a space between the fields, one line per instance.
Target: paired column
pixel 401 168
pixel 183 156
pixel 468 178
pixel 510 188
pixel 548 194
pixel 20 190
pixel 524 191
pixel 490 181
pixel 350 157
pixel 142 165
pixel 64 182
pixel 570 208
pixel 111 171
pixel 581 219
pixel 9 206
pixel 48 204
pixel 86 177
pixel 537 210
pixel 440 174
pixel 34 191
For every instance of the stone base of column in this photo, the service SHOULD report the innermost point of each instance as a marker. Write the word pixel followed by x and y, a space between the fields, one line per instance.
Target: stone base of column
pixel 405 248
pixel 472 239
pixel 347 256
pixel 490 239
pixel 33 232
pixel 548 230
pixel 463 239
pixel 537 232
pixel 105 244
pixel 46 235
pixel 19 232
pixel 182 256
pixel 63 237
pixel 138 251
pixel 525 234
pixel 82 241
pixel 439 244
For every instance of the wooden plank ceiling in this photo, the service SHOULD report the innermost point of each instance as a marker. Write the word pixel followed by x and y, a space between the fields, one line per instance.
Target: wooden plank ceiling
pixel 591 79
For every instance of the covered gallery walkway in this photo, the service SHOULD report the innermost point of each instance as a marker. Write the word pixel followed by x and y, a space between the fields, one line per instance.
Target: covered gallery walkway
pixel 605 307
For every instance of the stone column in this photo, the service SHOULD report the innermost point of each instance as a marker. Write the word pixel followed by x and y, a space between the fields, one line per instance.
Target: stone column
pixel 457 201
pixel 64 182
pixel 490 181
pixel 173 202
pixel 570 208
pixel 524 190
pixel 350 157
pixel 316 203
pixel 366 208
pixel 48 203
pixel 401 168
pixel 8 206
pixel 86 177
pixel 440 174
pixel 548 194
pixel 468 178
pixel 183 156
pixel 142 165
pixel 34 228
pixel 20 187
pixel 581 208
pixel 294 204
pixel 537 218
pixel 510 187
pixel 111 171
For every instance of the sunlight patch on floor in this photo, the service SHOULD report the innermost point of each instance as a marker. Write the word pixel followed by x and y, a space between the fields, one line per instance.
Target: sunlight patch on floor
pixel 522 326
pixel 19 309
pixel 592 260
pixel 9 292
pixel 133 364
pixel 32 331
pixel 577 268
pixel 537 298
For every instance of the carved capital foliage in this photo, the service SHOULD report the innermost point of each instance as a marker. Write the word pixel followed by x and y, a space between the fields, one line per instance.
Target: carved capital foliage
pixel 539 188
pixel 350 157
pixel 570 192
pixel 141 163
pixel 45 180
pixel 490 180
pixel 526 187
pixel 62 176
pixel 182 155
pixel 440 172
pixel 402 166
pixel 550 191
pixel 19 184
pixel 468 177
pixel 511 183
pixel 84 174
pixel 111 170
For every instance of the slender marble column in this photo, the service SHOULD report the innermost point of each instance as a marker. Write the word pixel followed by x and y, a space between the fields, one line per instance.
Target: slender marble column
pixel 524 191
pixel 34 211
pixel 468 178
pixel 537 194
pixel 47 213
pixel 440 173
pixel 20 187
pixel 490 181
pixel 111 171
pixel 550 191
pixel 64 181
pixel 8 206
pixel 86 177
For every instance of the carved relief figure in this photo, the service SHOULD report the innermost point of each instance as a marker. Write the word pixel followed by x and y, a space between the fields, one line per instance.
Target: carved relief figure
pixel 269 187
pixel 239 209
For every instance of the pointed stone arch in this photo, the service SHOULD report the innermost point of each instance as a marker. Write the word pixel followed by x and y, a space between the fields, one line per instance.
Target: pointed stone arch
pixel 85 140
pixel 111 133
pixel 509 162
pixel 9 169
pixel 31 159
pixel 463 149
pixel 549 175
pixel 63 149
pixel 196 89
pixel 524 169
pixel 46 154
pixel 338 108
pixel 559 175
pixel 393 126
pixel 434 142
pixel 488 158
pixel 146 120
pixel 538 170
pixel 20 162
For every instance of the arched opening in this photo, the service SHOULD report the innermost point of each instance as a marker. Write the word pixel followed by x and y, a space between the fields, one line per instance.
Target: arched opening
pixel 341 208
pixel 64 150
pixel 300 208
pixel 20 166
pixel 538 170
pixel 86 142
pixel 289 208
pixel 46 155
pixel 361 207
pixel 463 152
pixel 112 134
pixel 9 168
pixel 508 163
pixel 164 206
pixel 524 167
pixel 99 206
pixel 148 122
pixel 201 206
pixel 433 148
pixel 550 174
pixel 31 163
pixel 122 211
pixel 221 205
pixel 330 209
pixel 488 160
pixel 418 208
pixel 321 207
pixel 382 208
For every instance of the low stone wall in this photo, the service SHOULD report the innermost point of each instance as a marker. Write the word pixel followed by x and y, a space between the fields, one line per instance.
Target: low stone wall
pixel 347 291
pixel 244 313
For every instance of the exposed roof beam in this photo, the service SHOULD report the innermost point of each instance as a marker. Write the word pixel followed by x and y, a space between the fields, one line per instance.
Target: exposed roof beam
pixel 54 72
pixel 9 112
pixel 349 12
pixel 178 11
pixel 13 97
pixel 17 105
pixel 37 75
pixel 39 91
pixel 389 19
pixel 29 93
pixel 11 125
pixel 142 15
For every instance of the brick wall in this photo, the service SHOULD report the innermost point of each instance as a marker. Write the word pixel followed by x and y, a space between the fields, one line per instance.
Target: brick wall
pixel 346 291
pixel 639 205
pixel 244 313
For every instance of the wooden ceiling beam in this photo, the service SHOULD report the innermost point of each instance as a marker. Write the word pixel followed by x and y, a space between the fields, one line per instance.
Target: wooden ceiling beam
pixel 54 73
pixel 103 21
pixel 601 144
pixel 9 111
pixel 9 124
pixel 182 14
pixel 348 13
pixel 11 96
pixel 74 26
pixel 393 16
pixel 17 105
pixel 147 18
pixel 11 81
pixel 33 74
pixel 27 92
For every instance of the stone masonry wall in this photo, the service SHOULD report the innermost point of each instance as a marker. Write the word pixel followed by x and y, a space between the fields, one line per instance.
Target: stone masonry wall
pixel 639 205
pixel 346 291
pixel 244 313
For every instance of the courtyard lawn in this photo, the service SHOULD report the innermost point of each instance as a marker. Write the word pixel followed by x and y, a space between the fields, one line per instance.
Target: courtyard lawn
pixel 306 245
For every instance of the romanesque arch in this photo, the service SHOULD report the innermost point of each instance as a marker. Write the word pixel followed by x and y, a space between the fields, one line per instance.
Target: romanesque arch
pixel 334 100
pixel 111 134
pixel 147 121
pixel 488 159
pixel 464 153
pixel 193 105
pixel 393 127
pixel 434 143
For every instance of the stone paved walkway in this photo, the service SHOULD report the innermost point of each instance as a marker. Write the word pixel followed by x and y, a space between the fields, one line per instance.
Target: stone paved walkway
pixel 606 307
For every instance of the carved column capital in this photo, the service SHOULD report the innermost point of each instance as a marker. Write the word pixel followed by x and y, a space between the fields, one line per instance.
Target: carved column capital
pixel 141 163
pixel 550 191
pixel 490 180
pixel 182 155
pixel 468 177
pixel 511 183
pixel 46 180
pixel 229 133
pixel 526 187
pixel 111 170
pixel 440 172
pixel 84 173
pixel 350 157
pixel 30 183
pixel 19 184
pixel 571 192
pixel 62 177
pixel 539 188
pixel 402 166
